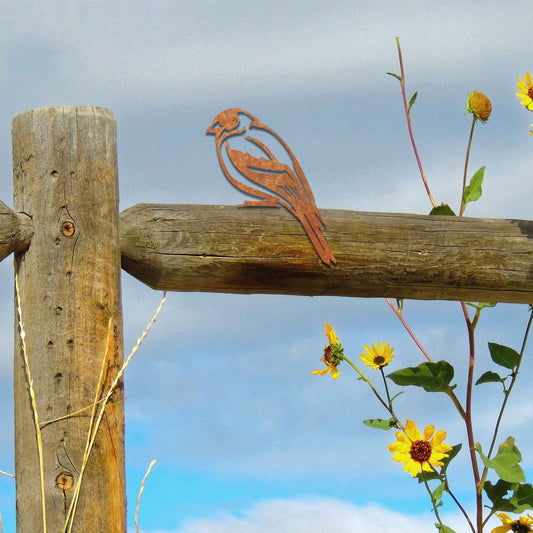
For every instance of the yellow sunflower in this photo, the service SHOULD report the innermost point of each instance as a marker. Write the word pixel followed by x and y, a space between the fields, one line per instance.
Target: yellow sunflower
pixel 332 354
pixel 522 525
pixel 526 91
pixel 378 356
pixel 419 453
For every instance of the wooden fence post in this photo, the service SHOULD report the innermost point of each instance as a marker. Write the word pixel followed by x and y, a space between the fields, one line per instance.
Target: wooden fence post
pixel 66 180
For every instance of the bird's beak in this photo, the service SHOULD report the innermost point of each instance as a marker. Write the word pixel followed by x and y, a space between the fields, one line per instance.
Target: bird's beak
pixel 212 130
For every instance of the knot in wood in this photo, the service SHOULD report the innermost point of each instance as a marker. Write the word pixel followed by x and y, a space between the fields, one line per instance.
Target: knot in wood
pixel 64 481
pixel 67 228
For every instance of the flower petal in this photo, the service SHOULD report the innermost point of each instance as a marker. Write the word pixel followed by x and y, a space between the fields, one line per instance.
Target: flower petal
pixel 412 431
pixel 412 467
pixel 331 335
pixel 429 431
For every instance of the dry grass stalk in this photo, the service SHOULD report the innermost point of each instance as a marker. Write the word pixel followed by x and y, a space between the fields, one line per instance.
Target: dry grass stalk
pixel 94 423
pixel 140 494
pixel 22 334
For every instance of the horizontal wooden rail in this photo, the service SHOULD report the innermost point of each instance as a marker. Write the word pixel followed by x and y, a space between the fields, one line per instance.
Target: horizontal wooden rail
pixel 264 250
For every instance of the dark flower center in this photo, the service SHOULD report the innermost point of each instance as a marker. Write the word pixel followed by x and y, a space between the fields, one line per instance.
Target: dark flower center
pixel 420 451
pixel 379 360
pixel 530 92
pixel 520 528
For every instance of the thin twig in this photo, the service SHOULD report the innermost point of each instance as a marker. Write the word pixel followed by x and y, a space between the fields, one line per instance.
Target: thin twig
pixel 140 494
pixel 409 125
pixel 409 330
pixel 22 334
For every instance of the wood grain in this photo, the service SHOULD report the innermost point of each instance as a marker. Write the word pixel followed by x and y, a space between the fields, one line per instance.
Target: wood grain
pixel 264 250
pixel 16 231
pixel 66 180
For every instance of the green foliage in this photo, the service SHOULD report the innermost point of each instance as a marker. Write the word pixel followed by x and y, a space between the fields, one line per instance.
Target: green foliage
pixel 505 463
pixel 504 356
pixel 497 495
pixel 443 210
pixel 473 191
pixel 489 377
pixel 397 76
pixel 432 377
pixel 444 529
pixel 381 423
pixel 412 101
pixel 481 305
pixel 519 501
pixel 522 498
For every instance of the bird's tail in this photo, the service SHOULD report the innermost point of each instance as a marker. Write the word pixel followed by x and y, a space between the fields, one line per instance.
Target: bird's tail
pixel 312 228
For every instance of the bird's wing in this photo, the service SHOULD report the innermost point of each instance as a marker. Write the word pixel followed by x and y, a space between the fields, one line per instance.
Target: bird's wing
pixel 267 172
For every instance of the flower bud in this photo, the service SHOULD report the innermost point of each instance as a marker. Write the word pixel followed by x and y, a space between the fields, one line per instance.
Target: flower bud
pixel 479 105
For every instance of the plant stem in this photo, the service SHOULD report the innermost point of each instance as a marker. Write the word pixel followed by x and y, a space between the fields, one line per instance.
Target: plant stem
pixel 433 503
pixel 461 508
pixel 368 382
pixel 451 394
pixel 463 204
pixel 507 392
pixel 409 330
pixel 468 420
pixel 409 125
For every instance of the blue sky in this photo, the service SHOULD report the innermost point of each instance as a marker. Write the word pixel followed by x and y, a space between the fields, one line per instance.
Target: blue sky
pixel 221 392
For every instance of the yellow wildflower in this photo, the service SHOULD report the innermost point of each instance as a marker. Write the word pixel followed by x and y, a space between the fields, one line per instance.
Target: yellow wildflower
pixel 332 354
pixel 419 453
pixel 522 525
pixel 378 356
pixel 526 91
pixel 479 105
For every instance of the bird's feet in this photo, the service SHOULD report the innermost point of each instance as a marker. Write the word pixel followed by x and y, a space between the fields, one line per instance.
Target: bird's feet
pixel 267 202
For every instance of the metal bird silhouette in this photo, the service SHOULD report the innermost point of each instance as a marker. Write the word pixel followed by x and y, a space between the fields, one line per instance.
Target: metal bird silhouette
pixel 282 184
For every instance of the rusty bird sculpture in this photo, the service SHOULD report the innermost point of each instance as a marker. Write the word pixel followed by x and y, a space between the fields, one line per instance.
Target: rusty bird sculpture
pixel 282 183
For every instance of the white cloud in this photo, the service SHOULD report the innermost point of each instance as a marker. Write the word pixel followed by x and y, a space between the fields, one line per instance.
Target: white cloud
pixel 316 516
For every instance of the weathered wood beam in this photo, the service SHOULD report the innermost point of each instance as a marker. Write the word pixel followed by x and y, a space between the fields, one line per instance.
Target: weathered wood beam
pixel 66 180
pixel 264 250
pixel 16 231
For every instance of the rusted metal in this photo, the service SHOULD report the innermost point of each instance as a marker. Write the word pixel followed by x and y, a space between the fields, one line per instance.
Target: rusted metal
pixel 286 182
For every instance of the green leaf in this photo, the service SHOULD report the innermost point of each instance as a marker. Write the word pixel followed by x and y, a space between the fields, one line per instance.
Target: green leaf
pixel 522 498
pixel 505 463
pixel 503 355
pixel 399 78
pixel 481 305
pixel 451 454
pixel 436 494
pixel 412 102
pixel 497 495
pixel 444 529
pixel 442 209
pixel 380 423
pixel 473 191
pixel 432 377
pixel 489 377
